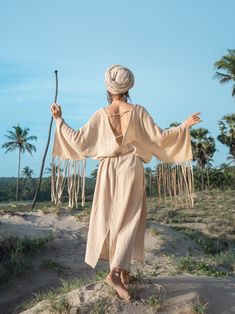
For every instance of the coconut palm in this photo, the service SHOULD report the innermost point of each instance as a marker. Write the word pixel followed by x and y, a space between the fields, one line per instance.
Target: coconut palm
pixel 149 175
pixel 227 64
pixel 203 147
pixel 227 133
pixel 28 182
pixel 27 173
pixel 19 139
pixel 94 173
pixel 49 169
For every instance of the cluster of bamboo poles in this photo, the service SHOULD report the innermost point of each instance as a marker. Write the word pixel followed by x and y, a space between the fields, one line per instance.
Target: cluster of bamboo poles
pixel 175 182
pixel 72 171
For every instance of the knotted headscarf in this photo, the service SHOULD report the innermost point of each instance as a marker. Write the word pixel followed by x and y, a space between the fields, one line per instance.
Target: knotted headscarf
pixel 118 79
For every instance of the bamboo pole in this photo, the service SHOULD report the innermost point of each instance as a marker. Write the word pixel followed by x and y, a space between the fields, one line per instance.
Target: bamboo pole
pixel 47 146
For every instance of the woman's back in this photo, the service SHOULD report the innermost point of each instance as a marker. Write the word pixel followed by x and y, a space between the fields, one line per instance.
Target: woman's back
pixel 118 114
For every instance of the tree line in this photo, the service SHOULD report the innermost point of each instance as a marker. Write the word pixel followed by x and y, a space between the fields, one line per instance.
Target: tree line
pixel 203 146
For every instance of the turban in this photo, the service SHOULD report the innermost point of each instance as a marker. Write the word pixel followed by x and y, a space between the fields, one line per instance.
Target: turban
pixel 118 79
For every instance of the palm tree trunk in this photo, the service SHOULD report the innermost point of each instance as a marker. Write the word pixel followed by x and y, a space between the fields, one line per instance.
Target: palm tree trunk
pixel 202 178
pixel 207 173
pixel 18 176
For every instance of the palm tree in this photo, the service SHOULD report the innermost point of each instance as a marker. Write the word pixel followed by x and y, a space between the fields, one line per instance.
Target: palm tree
pixel 27 182
pixel 27 173
pixel 49 169
pixel 227 133
pixel 94 172
pixel 226 63
pixel 149 175
pixel 19 139
pixel 203 147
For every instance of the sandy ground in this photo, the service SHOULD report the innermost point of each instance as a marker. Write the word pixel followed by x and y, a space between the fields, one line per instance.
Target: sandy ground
pixel 163 246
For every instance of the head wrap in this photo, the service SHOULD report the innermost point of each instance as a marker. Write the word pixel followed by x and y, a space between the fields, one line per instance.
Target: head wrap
pixel 118 79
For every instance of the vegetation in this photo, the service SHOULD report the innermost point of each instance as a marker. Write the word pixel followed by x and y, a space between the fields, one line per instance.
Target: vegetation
pixel 16 254
pixel 210 225
pixel 227 64
pixel 20 140
pixel 203 147
pixel 227 134
pixel 27 189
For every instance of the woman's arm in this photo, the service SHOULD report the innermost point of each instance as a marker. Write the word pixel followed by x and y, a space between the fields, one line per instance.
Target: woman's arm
pixel 72 144
pixel 172 144
pixel 169 135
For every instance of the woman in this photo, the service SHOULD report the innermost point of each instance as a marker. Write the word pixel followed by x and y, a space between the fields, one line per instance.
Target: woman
pixel 122 136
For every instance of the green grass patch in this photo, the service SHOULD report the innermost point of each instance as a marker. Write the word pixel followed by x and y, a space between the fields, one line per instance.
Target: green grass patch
pixel 67 286
pixel 197 267
pixel 16 254
pixel 210 244
pixel 49 264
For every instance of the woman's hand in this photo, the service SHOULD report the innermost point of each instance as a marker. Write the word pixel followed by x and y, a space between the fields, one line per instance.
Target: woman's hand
pixel 194 119
pixel 56 111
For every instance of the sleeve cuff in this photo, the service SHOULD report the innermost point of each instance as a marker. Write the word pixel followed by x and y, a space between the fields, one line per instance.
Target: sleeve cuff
pixel 185 123
pixel 58 121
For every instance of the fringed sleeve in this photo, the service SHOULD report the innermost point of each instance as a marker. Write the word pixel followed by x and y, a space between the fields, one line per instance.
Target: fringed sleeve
pixel 69 154
pixel 173 151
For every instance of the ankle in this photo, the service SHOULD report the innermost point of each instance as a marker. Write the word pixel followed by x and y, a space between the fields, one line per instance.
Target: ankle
pixel 115 271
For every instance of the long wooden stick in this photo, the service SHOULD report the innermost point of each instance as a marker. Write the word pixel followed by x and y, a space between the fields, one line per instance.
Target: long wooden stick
pixel 47 145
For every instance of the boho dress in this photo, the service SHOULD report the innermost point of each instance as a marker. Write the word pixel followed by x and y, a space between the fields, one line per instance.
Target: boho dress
pixel 118 213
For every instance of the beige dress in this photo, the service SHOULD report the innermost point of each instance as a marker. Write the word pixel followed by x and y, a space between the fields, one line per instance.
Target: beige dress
pixel 118 213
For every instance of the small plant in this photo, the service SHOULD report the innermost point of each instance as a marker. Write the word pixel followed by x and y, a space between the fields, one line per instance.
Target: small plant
pixel 60 306
pixel 16 254
pixel 96 307
pixel 66 287
pixel 99 307
pixel 198 307
pixel 154 231
pixel 101 275
pixel 49 264
pixel 154 301
pixel 139 274
pixel 192 266
pixel 132 289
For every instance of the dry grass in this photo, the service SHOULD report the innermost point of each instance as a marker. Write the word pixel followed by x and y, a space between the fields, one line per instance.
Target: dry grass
pixel 212 210
pixel 210 224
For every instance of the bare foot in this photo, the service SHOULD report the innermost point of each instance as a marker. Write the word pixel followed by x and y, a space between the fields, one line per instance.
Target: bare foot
pixel 115 282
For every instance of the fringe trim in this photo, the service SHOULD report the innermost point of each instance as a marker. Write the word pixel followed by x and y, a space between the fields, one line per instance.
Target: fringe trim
pixel 75 173
pixel 175 180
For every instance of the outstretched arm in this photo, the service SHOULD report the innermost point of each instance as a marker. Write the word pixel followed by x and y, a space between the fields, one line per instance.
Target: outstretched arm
pixel 72 144
pixel 172 144
pixel 193 119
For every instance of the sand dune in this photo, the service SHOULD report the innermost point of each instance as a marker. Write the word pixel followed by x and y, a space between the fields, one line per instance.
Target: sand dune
pixel 163 245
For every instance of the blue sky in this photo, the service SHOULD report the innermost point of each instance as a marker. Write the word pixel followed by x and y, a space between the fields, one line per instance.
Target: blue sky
pixel 169 45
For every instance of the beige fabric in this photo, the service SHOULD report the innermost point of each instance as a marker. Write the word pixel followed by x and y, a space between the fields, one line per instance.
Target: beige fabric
pixel 118 213
pixel 118 79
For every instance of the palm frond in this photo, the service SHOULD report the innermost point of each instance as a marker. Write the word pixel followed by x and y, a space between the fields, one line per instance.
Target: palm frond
pixel 224 78
pixel 31 138
pixel 11 148
pixel 12 134
pixel 233 91
pixel 25 132
pixel 30 148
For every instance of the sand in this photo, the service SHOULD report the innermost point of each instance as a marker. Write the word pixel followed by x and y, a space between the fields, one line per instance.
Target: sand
pixel 163 246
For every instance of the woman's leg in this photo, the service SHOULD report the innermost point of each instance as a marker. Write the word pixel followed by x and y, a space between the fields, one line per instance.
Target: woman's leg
pixel 114 280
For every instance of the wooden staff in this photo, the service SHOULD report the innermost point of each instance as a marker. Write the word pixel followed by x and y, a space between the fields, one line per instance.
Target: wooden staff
pixel 47 145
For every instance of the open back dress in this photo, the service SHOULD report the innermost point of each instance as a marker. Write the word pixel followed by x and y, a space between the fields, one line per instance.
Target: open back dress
pixel 118 214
